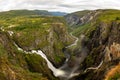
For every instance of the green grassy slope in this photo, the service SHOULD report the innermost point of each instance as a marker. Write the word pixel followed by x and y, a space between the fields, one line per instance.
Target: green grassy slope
pixel 14 13
pixel 47 33
pixel 105 16
pixel 13 63
pixel 37 32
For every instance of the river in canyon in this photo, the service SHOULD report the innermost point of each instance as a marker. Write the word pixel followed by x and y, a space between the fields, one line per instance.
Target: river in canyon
pixel 64 72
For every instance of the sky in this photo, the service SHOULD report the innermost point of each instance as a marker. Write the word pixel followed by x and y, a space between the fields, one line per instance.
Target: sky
pixel 59 5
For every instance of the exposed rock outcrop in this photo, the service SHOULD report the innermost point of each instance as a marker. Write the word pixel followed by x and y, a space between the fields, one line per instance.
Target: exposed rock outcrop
pixel 104 44
pixel 13 65
pixel 80 18
pixel 50 42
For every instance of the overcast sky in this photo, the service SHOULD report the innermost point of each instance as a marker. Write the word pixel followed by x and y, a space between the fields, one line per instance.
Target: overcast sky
pixel 59 5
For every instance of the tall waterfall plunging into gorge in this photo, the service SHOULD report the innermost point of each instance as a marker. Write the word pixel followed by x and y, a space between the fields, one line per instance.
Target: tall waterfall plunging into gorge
pixel 64 71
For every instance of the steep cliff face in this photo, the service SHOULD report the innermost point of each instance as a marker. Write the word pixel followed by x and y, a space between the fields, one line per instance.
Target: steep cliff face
pixel 13 64
pixel 106 36
pixel 102 31
pixel 50 40
pixel 104 51
pixel 31 32
pixel 82 17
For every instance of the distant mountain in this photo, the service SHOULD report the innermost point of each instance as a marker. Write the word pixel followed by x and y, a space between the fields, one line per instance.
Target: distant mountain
pixel 58 13
pixel 14 13
pixel 79 18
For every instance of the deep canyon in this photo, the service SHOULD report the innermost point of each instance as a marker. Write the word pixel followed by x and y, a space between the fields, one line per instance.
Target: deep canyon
pixel 36 45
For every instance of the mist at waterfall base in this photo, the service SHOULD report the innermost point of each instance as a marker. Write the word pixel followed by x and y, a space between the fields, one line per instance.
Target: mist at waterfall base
pixel 65 71
pixel 79 57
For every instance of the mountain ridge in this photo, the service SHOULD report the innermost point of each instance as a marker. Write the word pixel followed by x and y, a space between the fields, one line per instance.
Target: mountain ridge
pixel 32 12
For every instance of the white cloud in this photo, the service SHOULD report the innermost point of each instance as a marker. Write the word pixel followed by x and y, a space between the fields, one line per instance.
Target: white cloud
pixel 59 5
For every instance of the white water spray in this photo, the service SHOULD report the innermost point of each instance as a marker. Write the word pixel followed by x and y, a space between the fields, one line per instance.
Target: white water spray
pixel 58 72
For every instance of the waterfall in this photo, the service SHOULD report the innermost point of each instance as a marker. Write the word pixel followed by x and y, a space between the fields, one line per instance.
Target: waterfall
pixel 58 72
pixel 94 68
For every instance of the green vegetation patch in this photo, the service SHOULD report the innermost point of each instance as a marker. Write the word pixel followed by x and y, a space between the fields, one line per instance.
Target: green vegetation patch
pixel 115 77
